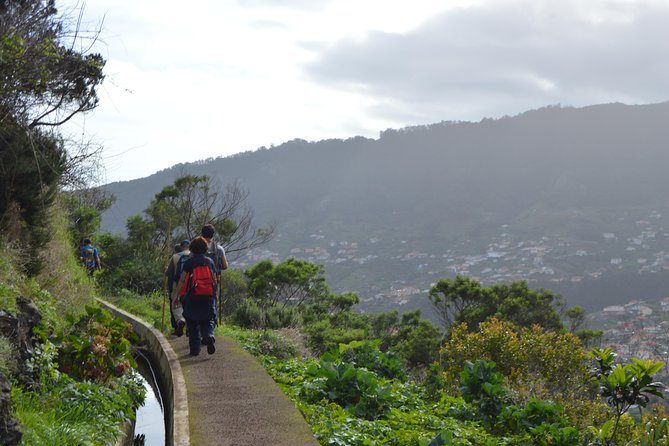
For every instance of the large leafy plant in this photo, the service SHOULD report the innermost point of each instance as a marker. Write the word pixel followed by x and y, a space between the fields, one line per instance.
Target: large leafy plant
pixel 481 384
pixel 623 386
pixel 366 354
pixel 357 390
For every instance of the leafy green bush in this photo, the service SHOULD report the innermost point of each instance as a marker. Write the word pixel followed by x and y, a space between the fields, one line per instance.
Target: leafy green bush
pixel 357 390
pixel 535 364
pixel 625 385
pixel 481 384
pixel 235 290
pixel 366 354
pixel 281 316
pixel 323 336
pixel 419 344
pixel 97 347
pixel 60 410
pixel 247 315
pixel 542 422
pixel 129 264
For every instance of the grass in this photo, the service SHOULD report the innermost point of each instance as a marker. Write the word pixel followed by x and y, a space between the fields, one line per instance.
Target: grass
pixel 53 424
pixel 62 287
pixel 147 307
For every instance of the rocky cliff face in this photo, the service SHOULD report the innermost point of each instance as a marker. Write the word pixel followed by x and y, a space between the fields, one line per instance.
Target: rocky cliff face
pixel 18 329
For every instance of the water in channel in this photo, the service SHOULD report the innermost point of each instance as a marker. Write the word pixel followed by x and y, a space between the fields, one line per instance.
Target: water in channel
pixel 150 421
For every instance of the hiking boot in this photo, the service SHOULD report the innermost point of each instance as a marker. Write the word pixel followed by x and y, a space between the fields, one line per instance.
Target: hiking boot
pixel 192 353
pixel 209 342
pixel 179 331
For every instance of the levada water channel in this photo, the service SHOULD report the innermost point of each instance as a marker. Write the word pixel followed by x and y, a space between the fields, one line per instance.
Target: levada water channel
pixel 150 422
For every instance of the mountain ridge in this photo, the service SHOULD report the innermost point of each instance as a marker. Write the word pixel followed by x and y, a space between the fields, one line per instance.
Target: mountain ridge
pixel 450 190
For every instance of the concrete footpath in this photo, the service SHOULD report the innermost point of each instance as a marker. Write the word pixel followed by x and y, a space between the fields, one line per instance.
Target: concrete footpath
pixel 233 401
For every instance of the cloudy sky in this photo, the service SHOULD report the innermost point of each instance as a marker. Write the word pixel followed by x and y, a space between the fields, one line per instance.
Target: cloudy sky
pixel 192 80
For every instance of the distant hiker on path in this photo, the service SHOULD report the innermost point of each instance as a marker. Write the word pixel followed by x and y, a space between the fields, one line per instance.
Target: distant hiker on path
pixel 172 275
pixel 89 257
pixel 197 291
pixel 217 254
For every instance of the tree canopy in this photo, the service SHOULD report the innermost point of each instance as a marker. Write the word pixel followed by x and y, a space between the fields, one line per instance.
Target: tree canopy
pixel 463 299
pixel 180 210
pixel 44 81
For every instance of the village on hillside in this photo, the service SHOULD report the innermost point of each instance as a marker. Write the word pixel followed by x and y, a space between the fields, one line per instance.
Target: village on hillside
pixel 637 329
pixel 642 248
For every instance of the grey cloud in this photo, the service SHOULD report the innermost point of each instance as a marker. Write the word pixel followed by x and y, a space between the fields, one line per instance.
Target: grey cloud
pixel 495 60
pixel 309 5
pixel 268 24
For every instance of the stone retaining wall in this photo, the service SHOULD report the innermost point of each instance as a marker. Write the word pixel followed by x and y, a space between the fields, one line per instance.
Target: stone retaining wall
pixel 177 431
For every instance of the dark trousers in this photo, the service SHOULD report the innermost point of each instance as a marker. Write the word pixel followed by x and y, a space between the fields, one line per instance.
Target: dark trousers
pixel 197 330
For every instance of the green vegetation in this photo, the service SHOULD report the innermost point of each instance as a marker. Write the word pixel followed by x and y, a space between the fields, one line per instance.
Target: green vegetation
pixel 79 379
pixel 396 379
pixel 177 212
pixel 67 362
pixel 58 409
pixel 465 300
pixel 506 370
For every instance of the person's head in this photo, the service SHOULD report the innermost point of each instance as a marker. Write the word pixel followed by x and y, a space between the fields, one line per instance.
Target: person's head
pixel 177 249
pixel 87 241
pixel 198 245
pixel 184 245
pixel 208 231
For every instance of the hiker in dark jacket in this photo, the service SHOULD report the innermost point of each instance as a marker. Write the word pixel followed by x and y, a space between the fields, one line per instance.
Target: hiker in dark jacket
pixel 172 275
pixel 197 288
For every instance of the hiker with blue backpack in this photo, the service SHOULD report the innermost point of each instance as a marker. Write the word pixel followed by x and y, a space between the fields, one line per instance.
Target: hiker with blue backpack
pixel 196 290
pixel 89 256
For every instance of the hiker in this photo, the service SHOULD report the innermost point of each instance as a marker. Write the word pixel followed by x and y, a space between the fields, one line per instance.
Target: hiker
pixel 172 274
pixel 89 256
pixel 217 254
pixel 214 250
pixel 197 291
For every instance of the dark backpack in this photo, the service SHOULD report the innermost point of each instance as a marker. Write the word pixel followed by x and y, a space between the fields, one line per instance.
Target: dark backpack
pixel 213 254
pixel 88 255
pixel 200 281
pixel 179 267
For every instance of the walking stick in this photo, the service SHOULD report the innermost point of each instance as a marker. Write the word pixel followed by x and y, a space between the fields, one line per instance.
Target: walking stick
pixel 220 298
pixel 162 320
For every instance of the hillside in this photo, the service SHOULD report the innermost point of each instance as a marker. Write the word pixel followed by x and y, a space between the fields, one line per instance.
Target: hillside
pixel 569 198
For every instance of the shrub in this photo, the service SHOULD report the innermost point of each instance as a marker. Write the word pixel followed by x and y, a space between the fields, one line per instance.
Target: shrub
pixel 481 384
pixel 281 316
pixel 325 335
pixel 263 342
pixel 366 354
pixel 97 347
pixel 248 315
pixel 59 410
pixel 235 290
pixel 357 390
pixel 420 344
pixel 535 364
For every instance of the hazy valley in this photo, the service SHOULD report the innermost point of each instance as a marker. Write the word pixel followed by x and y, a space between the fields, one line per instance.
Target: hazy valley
pixel 570 199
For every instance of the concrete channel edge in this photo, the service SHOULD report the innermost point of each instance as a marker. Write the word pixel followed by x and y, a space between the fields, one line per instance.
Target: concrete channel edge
pixel 177 429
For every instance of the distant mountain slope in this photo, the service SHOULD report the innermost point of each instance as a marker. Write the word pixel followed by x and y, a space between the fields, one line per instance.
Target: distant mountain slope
pixel 458 189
